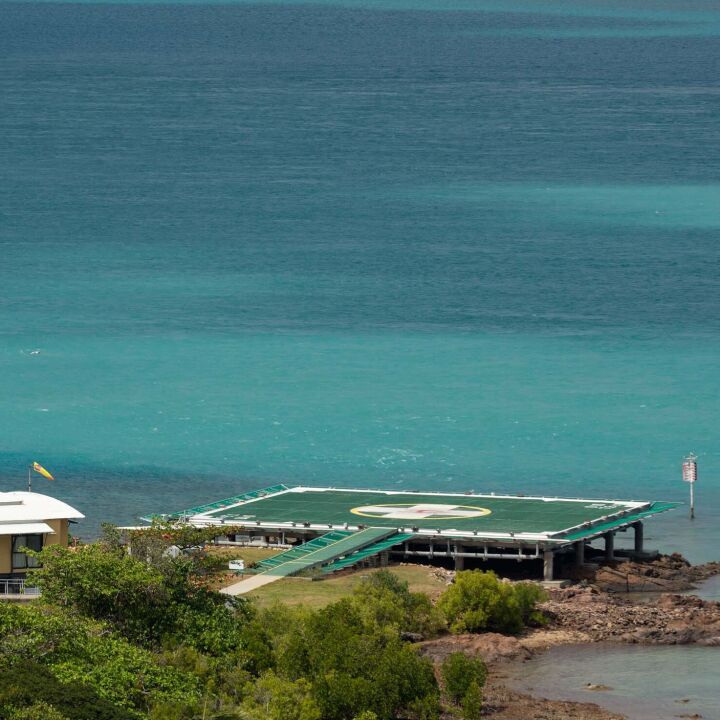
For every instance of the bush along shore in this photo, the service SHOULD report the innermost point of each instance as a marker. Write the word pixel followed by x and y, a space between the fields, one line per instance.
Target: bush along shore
pixel 135 631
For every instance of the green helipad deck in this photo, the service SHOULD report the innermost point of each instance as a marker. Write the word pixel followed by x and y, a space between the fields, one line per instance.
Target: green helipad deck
pixel 491 517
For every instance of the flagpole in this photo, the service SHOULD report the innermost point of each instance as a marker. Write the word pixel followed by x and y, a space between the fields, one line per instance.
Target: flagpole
pixel 29 478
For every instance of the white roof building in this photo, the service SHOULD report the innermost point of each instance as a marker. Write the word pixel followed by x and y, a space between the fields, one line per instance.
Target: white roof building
pixel 27 513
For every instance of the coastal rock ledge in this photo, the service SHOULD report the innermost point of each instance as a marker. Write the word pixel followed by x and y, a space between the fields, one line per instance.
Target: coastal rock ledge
pixel 597 610
pixel 599 617
pixel 667 573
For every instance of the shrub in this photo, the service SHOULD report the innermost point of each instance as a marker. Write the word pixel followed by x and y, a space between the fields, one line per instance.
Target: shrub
pixel 37 711
pixel 149 605
pixel 26 688
pixel 387 600
pixel 459 672
pixel 528 595
pixel 74 663
pixel 472 702
pixel 354 664
pixel 478 601
pixel 274 698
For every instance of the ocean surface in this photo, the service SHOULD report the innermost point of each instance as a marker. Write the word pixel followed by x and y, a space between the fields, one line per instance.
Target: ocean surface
pixel 403 244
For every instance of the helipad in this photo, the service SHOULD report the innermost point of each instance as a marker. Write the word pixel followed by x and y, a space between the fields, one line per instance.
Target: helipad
pixel 333 528
pixel 449 514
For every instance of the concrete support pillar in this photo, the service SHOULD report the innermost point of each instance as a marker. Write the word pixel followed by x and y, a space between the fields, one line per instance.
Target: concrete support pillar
pixel 459 561
pixel 548 565
pixel 609 545
pixel 579 553
pixel 638 536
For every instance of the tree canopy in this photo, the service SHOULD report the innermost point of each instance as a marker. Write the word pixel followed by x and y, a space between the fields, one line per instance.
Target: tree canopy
pixel 479 601
pixel 130 631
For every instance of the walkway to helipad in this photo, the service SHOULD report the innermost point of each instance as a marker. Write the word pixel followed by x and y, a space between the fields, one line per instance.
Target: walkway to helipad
pixel 315 553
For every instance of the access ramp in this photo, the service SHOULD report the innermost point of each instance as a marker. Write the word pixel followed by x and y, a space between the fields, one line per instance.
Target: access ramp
pixel 341 544
pixel 375 549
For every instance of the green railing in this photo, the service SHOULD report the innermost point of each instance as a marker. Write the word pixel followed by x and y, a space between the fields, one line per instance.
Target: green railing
pixel 227 502
pixel 654 509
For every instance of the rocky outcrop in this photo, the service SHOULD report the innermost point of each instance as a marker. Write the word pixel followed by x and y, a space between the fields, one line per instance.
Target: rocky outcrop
pixel 670 620
pixel 597 612
pixel 491 647
pixel 501 703
pixel 667 573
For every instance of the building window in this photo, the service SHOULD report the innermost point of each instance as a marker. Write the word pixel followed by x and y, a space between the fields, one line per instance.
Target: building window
pixel 20 560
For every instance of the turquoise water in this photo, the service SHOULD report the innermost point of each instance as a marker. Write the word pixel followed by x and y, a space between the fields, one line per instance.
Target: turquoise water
pixel 438 245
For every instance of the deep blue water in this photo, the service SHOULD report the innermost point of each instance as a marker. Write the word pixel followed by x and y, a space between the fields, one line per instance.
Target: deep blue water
pixel 430 244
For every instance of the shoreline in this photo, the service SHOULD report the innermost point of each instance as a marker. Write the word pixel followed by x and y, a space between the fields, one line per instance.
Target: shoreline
pixel 591 614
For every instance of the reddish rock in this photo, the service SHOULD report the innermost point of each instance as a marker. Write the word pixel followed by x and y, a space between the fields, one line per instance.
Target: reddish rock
pixel 670 620
pixel 491 647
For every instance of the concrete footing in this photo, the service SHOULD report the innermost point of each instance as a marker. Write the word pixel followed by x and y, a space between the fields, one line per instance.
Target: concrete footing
pixel 579 553
pixel 609 546
pixel 548 565
pixel 638 527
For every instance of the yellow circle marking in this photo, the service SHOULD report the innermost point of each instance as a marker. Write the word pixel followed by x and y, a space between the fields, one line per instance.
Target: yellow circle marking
pixel 476 512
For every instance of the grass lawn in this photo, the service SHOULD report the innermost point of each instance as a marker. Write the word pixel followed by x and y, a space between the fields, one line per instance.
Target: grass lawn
pixel 248 554
pixel 318 593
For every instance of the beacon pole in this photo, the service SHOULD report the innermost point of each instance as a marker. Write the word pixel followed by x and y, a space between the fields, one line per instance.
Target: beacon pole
pixel 689 475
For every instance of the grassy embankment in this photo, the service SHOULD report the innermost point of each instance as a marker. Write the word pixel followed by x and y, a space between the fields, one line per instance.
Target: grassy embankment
pixel 318 593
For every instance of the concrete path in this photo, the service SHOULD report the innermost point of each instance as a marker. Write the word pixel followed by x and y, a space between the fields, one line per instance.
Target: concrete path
pixel 249 584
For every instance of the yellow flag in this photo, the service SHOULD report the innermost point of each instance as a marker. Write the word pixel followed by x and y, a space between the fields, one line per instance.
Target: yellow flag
pixel 38 468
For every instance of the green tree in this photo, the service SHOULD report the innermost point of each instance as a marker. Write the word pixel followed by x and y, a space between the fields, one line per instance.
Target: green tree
pixel 354 664
pixel 37 711
pixel 70 654
pixel 473 702
pixel 387 600
pixel 459 672
pixel 106 584
pixel 149 605
pixel 274 698
pixel 478 601
pixel 27 686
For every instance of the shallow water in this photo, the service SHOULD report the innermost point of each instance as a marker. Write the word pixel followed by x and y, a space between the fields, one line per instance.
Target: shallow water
pixel 709 590
pixel 648 683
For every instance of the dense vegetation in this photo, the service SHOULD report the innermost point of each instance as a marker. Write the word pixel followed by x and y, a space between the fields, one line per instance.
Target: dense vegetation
pixel 137 635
